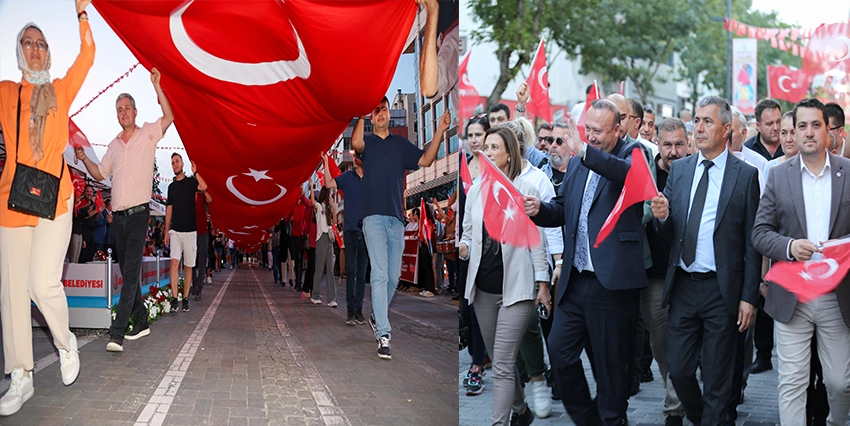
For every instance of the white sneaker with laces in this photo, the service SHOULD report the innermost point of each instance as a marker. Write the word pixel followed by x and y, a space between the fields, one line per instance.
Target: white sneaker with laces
pixel 316 301
pixel 69 362
pixel 332 304
pixel 20 390
pixel 542 399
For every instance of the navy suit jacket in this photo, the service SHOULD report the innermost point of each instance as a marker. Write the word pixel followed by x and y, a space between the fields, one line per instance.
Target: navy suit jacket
pixel 618 262
pixel 736 259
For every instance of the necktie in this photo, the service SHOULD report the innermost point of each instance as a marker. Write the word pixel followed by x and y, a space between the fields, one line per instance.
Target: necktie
pixel 689 243
pixel 582 241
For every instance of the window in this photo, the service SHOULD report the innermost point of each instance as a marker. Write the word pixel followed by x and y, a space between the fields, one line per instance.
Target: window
pixel 453 144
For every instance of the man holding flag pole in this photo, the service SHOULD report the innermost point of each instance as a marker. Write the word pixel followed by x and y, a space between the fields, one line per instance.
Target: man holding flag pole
pixel 600 286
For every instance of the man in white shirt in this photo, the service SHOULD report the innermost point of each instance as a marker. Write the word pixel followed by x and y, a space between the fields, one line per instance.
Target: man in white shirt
pixel 802 208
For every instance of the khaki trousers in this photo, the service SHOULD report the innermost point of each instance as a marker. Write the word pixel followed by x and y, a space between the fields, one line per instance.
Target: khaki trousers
pixel 31 264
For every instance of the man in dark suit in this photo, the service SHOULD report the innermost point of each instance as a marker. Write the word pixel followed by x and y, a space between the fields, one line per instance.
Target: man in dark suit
pixel 714 271
pixel 600 287
pixel 806 204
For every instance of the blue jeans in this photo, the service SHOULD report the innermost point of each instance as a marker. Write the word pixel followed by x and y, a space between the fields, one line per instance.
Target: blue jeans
pixel 355 269
pixel 385 241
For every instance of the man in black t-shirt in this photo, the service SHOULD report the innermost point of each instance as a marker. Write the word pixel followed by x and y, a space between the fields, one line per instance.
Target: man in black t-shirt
pixel 180 226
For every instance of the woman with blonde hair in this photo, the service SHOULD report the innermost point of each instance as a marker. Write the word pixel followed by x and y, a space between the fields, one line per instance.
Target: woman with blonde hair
pixel 34 117
pixel 502 280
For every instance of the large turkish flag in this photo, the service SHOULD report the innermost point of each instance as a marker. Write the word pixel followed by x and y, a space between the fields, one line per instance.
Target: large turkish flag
pixel 785 83
pixel 260 88
pixel 828 49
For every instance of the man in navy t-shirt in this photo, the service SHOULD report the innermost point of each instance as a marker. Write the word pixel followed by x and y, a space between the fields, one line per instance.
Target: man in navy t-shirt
pixel 387 157
pixel 351 185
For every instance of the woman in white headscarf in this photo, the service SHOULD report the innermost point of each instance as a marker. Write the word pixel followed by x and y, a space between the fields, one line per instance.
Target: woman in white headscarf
pixel 34 118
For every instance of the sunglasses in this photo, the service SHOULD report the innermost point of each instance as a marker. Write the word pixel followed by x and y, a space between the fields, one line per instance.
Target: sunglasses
pixel 560 141
pixel 477 116
pixel 547 139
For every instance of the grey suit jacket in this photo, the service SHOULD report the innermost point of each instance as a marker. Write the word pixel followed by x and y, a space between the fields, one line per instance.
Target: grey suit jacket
pixel 738 263
pixel 782 217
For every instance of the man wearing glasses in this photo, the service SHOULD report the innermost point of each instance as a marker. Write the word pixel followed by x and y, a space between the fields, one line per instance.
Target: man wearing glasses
pixel 836 127
pixel 559 153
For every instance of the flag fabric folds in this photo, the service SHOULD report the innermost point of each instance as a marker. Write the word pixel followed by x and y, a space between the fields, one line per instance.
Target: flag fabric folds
pixel 639 186
pixel 816 277
pixel 538 85
pixel 504 215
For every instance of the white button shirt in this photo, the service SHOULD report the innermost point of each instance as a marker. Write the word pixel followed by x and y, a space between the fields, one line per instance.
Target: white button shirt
pixel 817 199
pixel 704 260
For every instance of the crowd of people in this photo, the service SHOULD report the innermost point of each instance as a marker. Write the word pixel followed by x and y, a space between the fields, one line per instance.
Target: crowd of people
pixel 680 279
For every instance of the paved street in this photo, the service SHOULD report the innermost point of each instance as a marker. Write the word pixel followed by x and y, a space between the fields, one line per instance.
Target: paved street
pixel 255 353
pixel 759 407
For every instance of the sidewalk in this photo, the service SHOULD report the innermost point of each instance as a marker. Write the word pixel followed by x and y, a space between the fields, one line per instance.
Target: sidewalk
pixel 253 353
pixel 760 405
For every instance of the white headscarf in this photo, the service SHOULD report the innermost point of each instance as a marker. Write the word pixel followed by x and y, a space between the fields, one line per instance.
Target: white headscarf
pixel 33 77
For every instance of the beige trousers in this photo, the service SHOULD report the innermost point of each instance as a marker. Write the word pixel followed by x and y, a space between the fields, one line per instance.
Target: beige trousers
pixel 31 264
pixel 793 346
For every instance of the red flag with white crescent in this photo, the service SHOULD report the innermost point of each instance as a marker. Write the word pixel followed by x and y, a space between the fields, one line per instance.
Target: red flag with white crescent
pixel 259 88
pixel 814 278
pixel 468 95
pixel 785 83
pixel 638 187
pixel 828 49
pixel 538 85
pixel 465 176
pixel 504 215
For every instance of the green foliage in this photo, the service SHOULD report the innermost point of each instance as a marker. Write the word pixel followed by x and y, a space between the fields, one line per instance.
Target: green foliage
pixel 631 40
pixel 155 190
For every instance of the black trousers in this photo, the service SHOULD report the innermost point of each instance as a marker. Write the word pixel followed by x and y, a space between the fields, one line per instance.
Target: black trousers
pixel 311 269
pixel 602 322
pixel 130 234
pixel 298 256
pixel 764 334
pixel 701 331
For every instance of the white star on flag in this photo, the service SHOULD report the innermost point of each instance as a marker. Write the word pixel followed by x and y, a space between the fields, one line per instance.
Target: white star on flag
pixel 258 175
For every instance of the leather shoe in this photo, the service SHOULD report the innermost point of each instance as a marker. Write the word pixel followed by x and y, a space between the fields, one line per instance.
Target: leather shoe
pixel 673 421
pixel 635 386
pixel 761 365
pixel 646 376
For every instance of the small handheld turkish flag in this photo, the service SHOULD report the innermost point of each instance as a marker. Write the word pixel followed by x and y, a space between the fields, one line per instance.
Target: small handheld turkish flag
pixel 813 278
pixel 538 85
pixel 591 96
pixel 468 95
pixel 76 138
pixel 638 187
pixel 504 215
pixel 785 83
pixel 465 176
pixel 426 228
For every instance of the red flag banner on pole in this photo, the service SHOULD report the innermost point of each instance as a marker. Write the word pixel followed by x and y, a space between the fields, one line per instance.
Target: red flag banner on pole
pixel 504 215
pixel 538 85
pixel 638 187
pixel 785 83
pixel 258 90
pixel 812 279
pixel 468 95
pixel 591 96
pixel 828 49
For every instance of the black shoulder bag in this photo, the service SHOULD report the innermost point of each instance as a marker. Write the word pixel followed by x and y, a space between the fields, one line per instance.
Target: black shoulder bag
pixel 34 192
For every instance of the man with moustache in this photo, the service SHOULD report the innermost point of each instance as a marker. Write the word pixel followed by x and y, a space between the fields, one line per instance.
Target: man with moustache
pixel 600 287
pixel 559 154
pixel 804 206
pixel 766 141
pixel 713 270
pixel 673 145
pixel 647 127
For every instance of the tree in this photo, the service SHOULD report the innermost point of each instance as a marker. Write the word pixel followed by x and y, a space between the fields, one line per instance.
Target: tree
pixel 631 41
pixel 516 27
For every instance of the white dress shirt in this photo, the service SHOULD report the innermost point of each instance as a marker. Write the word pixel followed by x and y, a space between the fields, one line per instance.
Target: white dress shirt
pixel 704 260
pixel 554 237
pixel 817 199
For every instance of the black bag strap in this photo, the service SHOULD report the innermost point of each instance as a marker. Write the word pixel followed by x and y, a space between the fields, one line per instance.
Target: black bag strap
pixel 18 134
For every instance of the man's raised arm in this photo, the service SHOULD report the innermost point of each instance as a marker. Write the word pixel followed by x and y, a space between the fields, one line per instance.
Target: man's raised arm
pixel 167 114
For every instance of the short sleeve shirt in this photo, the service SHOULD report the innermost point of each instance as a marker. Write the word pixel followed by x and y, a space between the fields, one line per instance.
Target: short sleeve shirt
pixel 181 198
pixel 351 186
pixel 131 166
pixel 384 164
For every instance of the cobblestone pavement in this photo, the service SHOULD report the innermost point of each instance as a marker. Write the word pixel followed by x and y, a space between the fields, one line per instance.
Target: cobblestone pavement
pixel 760 405
pixel 257 355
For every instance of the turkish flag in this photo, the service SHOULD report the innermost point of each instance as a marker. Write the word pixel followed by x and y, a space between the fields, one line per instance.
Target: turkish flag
pixel 814 278
pixel 259 88
pixel 538 85
pixel 468 95
pixel 426 228
pixel 828 49
pixel 76 138
pixel 465 176
pixel 785 83
pixel 504 215
pixel 79 184
pixel 98 200
pixel 591 96
pixel 336 235
pixel 638 187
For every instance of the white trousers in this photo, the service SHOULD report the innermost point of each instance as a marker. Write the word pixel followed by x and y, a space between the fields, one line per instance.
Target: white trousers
pixel 31 264
pixel 793 346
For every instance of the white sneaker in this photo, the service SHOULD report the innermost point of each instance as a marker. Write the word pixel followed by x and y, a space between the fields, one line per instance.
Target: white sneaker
pixel 426 293
pixel 20 390
pixel 69 362
pixel 316 302
pixel 542 399
pixel 332 304
pixel 209 280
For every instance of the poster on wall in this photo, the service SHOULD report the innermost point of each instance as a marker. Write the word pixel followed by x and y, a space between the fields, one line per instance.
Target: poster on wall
pixel 744 75
pixel 410 257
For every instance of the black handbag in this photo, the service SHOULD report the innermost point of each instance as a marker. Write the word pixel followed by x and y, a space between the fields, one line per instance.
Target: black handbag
pixel 34 192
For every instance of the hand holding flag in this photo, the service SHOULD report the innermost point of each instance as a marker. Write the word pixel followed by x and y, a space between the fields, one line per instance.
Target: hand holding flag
pixel 503 207
pixel 817 276
pixel 638 187
pixel 538 85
